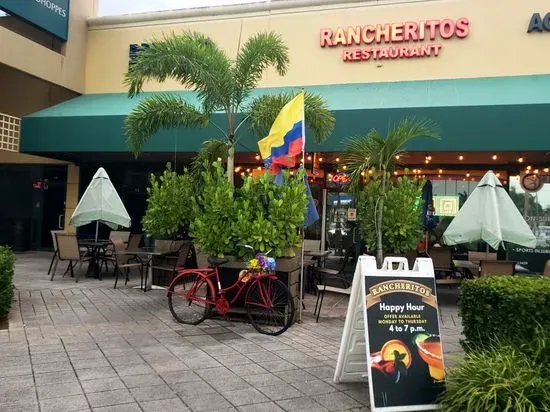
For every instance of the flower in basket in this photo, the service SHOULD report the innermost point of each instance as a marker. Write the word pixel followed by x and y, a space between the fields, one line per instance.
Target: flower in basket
pixel 254 264
pixel 262 260
pixel 271 265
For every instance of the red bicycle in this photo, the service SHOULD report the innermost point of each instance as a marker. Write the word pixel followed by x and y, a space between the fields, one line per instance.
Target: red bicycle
pixel 194 293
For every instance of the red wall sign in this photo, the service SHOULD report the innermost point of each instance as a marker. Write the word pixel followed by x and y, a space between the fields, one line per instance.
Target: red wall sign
pixel 428 35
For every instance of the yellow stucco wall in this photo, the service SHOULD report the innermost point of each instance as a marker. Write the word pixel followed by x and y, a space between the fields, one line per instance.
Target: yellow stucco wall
pixel 498 43
pixel 64 70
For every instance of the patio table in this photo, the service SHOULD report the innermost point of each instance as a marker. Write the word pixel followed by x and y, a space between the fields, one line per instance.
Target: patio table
pixel 318 255
pixel 148 253
pixel 474 267
pixel 96 249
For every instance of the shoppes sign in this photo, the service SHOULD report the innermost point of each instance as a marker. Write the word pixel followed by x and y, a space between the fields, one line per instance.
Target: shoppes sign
pixel 49 15
pixel 410 39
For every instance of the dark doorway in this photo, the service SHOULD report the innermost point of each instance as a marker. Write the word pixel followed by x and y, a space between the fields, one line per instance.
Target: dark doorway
pixel 55 190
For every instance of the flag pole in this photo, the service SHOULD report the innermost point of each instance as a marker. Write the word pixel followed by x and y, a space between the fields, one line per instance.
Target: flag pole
pixel 303 228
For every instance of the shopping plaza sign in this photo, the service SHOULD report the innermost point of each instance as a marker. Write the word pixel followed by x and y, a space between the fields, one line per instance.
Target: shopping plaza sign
pixel 409 39
pixel 49 15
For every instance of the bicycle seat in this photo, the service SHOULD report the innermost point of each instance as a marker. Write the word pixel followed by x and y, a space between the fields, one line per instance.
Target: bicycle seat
pixel 216 261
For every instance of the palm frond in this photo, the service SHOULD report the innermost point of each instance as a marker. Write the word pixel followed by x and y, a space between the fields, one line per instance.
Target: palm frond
pixel 263 110
pixel 211 151
pixel 191 58
pixel 375 151
pixel 161 111
pixel 259 52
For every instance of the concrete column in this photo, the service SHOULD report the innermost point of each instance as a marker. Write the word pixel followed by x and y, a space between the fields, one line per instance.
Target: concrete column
pixel 71 200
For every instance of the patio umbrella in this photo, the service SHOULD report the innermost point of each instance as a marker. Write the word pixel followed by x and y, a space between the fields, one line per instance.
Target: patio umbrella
pixel 489 214
pixel 100 203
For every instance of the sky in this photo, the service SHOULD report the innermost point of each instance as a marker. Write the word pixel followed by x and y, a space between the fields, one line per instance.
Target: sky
pixel 116 7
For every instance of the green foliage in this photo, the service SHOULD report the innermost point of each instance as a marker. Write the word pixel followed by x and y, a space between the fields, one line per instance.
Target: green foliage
pixel 504 307
pixel 169 204
pixel 502 377
pixel 214 211
pixel 401 220
pixel 7 260
pixel 268 216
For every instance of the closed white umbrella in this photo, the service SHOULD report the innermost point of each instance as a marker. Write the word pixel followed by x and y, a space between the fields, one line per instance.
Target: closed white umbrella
pixel 489 214
pixel 101 203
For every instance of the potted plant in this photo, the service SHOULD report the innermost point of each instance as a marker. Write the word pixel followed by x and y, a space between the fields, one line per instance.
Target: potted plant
pixel 168 213
pixel 401 218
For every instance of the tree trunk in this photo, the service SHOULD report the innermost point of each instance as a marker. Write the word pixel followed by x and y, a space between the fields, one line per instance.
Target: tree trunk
pixel 231 160
pixel 379 216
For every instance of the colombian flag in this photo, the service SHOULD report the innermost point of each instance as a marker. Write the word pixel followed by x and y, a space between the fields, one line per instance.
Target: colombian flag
pixel 286 138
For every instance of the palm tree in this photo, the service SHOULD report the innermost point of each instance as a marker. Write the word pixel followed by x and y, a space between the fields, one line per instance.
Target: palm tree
pixel 222 84
pixel 380 154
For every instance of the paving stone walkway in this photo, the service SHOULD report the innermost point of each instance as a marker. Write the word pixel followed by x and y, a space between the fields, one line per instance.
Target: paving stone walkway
pixel 88 347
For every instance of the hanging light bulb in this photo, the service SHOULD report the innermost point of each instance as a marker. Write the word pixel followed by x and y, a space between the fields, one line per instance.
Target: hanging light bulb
pixel 242 173
pixel 259 167
pixel 440 171
pixel 461 157
pixel 546 170
pixel 309 157
pixel 495 157
pixel 429 157
pixel 320 159
pixel 528 167
pixel 395 173
pixel 370 172
pixel 426 161
pixel 520 159
pixel 238 169
pixel 247 170
pixel 344 167
pixel 363 173
pixel 337 159
pixel 257 157
pixel 468 174
pixel 397 157
pixel 536 171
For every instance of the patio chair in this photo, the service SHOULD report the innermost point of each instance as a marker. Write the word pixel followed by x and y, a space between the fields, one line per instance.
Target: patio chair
pixel 124 261
pixel 55 252
pixel 497 267
pixel 114 235
pixel 442 259
pixel 170 263
pixel 68 249
pixel 330 282
pixel 134 241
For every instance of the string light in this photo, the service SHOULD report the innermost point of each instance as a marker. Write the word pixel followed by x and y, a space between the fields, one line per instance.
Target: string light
pixel 337 159
pixel 370 172
pixel 528 167
pixel 440 171
pixel 320 159
pixel 247 170
pixel 536 171
pixel 460 157
pixel 330 175
pixel 429 157
pixel 546 170
pixel 242 173
pixel 238 169
pixel 520 159
pixel 219 159
pixel 498 174
pixel 426 161
pixel 259 167
pixel 362 173
pixel 397 157
pixel 414 171
pixel 495 157
pixel 344 167
pixel 309 157
pixel 467 174
pixel 438 175
pixel 257 157
pixel 395 173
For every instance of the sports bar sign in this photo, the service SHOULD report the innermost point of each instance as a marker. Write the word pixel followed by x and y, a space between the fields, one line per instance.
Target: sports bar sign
pixel 393 40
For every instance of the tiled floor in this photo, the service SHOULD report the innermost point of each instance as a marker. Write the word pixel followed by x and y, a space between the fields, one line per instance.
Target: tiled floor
pixel 85 346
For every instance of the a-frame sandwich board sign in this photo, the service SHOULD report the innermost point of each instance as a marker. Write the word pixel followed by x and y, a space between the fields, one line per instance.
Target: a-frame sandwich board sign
pixel 400 351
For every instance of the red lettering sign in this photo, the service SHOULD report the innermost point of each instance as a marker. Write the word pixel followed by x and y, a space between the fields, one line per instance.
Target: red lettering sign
pixel 340 178
pixel 375 37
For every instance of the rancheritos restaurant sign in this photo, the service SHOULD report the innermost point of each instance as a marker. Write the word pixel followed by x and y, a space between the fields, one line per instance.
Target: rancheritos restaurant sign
pixel 395 40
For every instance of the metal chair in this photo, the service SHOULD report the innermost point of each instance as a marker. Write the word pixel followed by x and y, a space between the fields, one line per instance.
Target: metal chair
pixel 68 249
pixel 172 262
pixel 329 277
pixel 55 252
pixel 124 261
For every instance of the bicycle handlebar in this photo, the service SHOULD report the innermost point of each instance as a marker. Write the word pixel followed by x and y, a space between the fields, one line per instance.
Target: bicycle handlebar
pixel 251 248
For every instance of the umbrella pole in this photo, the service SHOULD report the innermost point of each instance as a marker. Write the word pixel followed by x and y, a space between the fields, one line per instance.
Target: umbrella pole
pixel 302 278
pixel 96 229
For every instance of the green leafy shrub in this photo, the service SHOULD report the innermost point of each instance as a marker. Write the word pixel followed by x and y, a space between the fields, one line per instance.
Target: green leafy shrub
pixel 214 212
pixel 7 260
pixel 504 307
pixel 169 204
pixel 269 216
pixel 502 377
pixel 401 222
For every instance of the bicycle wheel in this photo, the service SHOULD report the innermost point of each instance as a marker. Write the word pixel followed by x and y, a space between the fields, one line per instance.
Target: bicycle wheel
pixel 190 298
pixel 270 306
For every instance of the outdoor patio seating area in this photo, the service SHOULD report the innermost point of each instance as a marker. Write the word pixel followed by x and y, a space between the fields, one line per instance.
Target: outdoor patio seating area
pixel 88 347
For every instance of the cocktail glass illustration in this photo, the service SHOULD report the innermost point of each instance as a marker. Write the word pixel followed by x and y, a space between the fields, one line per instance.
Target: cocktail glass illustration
pixel 393 359
pixel 430 350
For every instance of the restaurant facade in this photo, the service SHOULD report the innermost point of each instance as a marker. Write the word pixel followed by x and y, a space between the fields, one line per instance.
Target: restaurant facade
pixel 479 71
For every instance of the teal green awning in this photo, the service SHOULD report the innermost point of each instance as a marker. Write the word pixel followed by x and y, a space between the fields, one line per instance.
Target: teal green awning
pixel 480 114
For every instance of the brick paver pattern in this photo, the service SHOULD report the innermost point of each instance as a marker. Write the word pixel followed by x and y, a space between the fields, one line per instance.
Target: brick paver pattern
pixel 88 347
